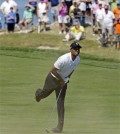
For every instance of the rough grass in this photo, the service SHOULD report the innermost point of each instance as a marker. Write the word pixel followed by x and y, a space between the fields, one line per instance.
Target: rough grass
pixel 53 39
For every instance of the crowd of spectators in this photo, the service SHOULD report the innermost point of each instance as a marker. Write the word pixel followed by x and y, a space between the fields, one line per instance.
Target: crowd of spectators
pixel 72 17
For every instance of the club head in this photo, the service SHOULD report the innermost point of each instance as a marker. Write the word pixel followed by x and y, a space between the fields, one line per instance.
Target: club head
pixel 47 131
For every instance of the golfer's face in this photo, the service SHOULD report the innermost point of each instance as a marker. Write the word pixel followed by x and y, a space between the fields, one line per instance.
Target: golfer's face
pixel 75 51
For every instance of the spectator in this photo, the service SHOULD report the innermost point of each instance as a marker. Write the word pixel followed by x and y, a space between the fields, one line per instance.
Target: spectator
pixel 34 4
pixel 103 2
pixel 82 7
pixel 42 15
pixel 99 20
pixel 108 19
pixel 116 11
pixel 76 32
pixel 69 4
pixel 113 5
pixel 88 12
pixel 77 14
pixel 54 9
pixel 47 3
pixel 94 8
pixel 117 33
pixel 5 8
pixel 27 17
pixel 6 5
pixel 10 20
pixel 17 18
pixel 71 11
pixel 62 17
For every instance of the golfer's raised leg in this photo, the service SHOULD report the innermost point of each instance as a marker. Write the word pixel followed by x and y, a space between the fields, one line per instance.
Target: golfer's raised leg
pixel 50 85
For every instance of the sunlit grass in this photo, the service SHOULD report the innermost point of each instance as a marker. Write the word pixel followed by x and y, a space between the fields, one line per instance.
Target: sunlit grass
pixel 92 100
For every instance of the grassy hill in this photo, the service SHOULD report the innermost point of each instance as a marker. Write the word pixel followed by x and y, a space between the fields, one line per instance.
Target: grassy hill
pixel 53 39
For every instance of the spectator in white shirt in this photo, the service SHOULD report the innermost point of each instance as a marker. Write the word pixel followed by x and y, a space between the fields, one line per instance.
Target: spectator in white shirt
pixel 6 5
pixel 42 15
pixel 99 19
pixel 5 8
pixel 108 20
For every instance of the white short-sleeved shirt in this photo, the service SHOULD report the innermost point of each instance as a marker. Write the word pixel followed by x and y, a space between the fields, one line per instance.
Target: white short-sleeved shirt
pixel 99 14
pixel 5 6
pixel 66 65
pixel 108 18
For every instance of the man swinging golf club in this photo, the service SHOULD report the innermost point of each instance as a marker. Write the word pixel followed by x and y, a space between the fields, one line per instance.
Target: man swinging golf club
pixel 57 80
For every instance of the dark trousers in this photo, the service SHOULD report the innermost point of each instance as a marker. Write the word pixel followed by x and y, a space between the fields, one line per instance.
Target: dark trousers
pixel 52 84
pixel 10 27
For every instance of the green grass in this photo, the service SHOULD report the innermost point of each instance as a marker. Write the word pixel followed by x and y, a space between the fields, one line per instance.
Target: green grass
pixel 92 101
pixel 53 39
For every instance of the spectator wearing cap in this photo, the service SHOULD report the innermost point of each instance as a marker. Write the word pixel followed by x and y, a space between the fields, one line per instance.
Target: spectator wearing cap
pixel 76 32
pixel 42 13
pixel 108 20
pixel 10 20
pixel 58 79
pixel 117 33
pixel 27 17
pixel 116 11
pixel 62 17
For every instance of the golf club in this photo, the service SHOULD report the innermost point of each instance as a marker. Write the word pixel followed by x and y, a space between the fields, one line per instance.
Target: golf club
pixel 51 115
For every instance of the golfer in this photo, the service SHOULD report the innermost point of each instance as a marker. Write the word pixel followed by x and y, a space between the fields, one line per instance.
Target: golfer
pixel 57 80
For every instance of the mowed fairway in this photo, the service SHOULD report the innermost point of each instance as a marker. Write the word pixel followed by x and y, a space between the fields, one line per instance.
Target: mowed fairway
pixel 92 101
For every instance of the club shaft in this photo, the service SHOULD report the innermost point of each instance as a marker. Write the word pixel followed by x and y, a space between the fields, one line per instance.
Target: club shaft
pixel 53 109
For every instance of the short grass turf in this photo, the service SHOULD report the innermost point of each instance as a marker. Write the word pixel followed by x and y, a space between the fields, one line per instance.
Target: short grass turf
pixel 92 101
